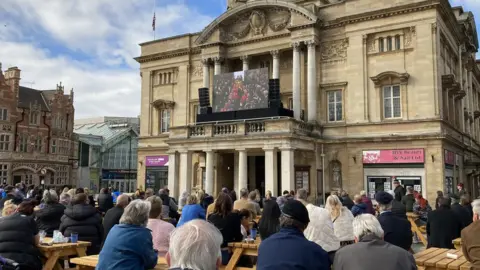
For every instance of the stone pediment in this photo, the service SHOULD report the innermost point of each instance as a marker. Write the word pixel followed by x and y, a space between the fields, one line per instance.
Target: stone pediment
pixel 255 19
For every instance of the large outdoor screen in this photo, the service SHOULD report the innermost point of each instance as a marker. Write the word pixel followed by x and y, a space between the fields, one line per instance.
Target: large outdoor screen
pixel 242 90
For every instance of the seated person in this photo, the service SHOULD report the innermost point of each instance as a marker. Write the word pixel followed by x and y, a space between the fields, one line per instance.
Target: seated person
pixel 471 239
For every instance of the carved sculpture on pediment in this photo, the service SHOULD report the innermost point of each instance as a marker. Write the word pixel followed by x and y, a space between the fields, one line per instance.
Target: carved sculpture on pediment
pixel 334 50
pixel 258 20
pixel 278 19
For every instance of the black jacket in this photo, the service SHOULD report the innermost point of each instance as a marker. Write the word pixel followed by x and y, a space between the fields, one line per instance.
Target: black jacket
pixel 87 222
pixel 111 219
pixel 399 193
pixel 443 227
pixel 462 214
pixel 229 226
pixel 105 202
pixel 398 209
pixel 408 200
pixel 347 202
pixel 17 241
pixel 397 231
pixel 48 218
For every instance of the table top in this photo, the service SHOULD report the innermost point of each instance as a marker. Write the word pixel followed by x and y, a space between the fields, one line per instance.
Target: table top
pixel 437 258
pixel 412 215
pixel 457 241
pixel 63 245
pixel 92 261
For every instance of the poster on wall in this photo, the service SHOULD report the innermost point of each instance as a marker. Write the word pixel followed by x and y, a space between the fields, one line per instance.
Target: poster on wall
pixel 386 186
pixel 417 188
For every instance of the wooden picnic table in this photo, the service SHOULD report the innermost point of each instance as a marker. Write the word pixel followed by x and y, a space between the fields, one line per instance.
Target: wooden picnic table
pixel 457 243
pixel 58 251
pixel 90 262
pixel 412 217
pixel 436 259
pixel 242 249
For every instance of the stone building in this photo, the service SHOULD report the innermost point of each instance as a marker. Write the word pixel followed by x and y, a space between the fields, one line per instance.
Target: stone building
pixel 37 144
pixel 388 90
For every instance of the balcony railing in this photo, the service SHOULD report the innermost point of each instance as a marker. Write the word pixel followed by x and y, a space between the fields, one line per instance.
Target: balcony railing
pixel 272 127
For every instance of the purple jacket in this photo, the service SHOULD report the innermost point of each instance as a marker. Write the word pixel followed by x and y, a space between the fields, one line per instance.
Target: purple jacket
pixel 369 204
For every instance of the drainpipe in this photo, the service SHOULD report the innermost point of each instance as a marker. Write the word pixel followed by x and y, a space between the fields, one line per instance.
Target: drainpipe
pixel 49 129
pixel 16 130
pixel 323 175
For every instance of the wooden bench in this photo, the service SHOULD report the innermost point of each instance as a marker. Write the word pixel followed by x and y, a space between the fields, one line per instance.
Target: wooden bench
pixel 242 249
pixel 90 262
pixel 412 217
pixel 436 259
pixel 457 243
pixel 59 251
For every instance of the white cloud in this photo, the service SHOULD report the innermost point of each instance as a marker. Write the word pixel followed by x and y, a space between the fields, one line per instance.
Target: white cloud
pixel 88 45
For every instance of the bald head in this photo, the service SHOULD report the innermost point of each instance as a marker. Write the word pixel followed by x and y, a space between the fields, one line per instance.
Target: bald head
pixel 122 200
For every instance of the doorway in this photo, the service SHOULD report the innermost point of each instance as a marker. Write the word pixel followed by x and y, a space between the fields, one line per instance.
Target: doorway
pixel 259 174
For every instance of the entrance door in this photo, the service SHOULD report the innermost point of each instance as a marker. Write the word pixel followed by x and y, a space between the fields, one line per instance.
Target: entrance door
pixel 17 179
pixel 411 181
pixel 260 174
pixel 378 183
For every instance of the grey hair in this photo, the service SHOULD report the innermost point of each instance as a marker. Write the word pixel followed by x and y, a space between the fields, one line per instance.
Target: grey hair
pixel 65 198
pixel 195 245
pixel 476 206
pixel 384 207
pixel 136 213
pixel 302 194
pixel 50 196
pixel 244 192
pixel 366 224
pixel 363 193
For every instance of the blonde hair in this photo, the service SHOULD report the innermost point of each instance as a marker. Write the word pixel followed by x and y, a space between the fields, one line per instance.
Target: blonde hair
pixel 268 195
pixel 65 190
pixel 71 192
pixel 9 208
pixel 192 199
pixel 334 206
pixel 200 196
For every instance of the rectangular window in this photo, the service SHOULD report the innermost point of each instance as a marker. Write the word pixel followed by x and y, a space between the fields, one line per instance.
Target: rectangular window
pixel 24 143
pixel 164 121
pixel 3 114
pixel 389 43
pixel 3 173
pixel 335 106
pixel 54 146
pixel 34 118
pixel 38 144
pixel 4 142
pixel 381 45
pixel 290 103
pixel 391 102
pixel 196 110
pixel 397 43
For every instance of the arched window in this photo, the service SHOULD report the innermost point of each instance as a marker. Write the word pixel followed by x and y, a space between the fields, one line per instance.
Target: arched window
pixel 389 43
pixel 381 46
pixel 397 42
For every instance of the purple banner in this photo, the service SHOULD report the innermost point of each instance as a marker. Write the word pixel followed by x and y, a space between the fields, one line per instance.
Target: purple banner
pixel 156 161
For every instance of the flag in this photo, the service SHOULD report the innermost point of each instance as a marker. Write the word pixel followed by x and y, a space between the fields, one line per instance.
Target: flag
pixel 153 22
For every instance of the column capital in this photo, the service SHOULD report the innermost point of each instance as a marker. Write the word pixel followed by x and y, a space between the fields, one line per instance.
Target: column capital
pixel 245 58
pixel 296 46
pixel 311 43
pixel 218 59
pixel 269 148
pixel 209 151
pixel 184 151
pixel 241 150
pixel 205 61
pixel 286 148
pixel 274 54
pixel 172 152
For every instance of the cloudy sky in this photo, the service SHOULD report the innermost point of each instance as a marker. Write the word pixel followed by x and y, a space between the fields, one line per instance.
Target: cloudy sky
pixel 89 45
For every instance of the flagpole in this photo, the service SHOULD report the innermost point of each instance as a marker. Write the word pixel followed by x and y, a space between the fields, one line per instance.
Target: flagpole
pixel 154 19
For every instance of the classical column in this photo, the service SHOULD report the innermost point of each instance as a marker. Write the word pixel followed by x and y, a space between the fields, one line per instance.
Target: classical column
pixel 235 172
pixel 218 65
pixel 296 81
pixel 271 179
pixel 185 171
pixel 209 172
pixel 173 174
pixel 206 72
pixel 312 81
pixel 242 169
pixel 276 64
pixel 288 169
pixel 245 59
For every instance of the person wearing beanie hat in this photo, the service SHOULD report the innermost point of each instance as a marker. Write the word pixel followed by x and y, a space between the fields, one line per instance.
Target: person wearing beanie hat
pixel 398 231
pixel 398 209
pixel 288 249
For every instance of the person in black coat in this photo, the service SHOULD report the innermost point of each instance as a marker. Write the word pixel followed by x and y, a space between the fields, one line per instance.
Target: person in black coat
pixel 409 199
pixel 105 200
pixel 399 190
pixel 270 221
pixel 461 212
pixel 443 226
pixel 50 213
pixel 346 200
pixel 397 230
pixel 112 217
pixel 19 239
pixel 398 209
pixel 83 219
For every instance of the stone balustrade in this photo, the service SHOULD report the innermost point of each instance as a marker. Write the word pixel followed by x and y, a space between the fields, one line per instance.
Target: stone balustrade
pixel 280 126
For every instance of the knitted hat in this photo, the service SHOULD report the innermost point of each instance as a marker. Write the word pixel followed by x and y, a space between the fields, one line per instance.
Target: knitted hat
pixel 383 197
pixel 296 210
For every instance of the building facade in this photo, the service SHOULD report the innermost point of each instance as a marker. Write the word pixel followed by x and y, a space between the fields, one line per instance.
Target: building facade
pixel 107 152
pixel 37 144
pixel 380 90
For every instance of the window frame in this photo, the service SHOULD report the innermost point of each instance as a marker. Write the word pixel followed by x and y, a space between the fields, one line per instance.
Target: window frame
pixel 335 103
pixel 3 173
pixel 398 42
pixel 53 146
pixel 23 144
pixel 163 123
pixel 3 114
pixel 34 115
pixel 5 144
pixel 381 44
pixel 391 100
pixel 389 44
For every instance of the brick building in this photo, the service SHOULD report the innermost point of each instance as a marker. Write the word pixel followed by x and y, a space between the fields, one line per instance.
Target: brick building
pixel 36 133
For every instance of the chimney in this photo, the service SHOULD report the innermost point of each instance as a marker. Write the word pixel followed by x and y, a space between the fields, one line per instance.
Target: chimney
pixel 12 77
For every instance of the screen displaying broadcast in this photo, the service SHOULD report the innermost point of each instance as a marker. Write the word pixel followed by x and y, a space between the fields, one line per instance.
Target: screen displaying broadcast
pixel 241 90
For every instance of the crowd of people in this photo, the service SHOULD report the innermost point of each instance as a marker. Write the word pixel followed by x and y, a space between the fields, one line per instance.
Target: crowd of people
pixel 132 232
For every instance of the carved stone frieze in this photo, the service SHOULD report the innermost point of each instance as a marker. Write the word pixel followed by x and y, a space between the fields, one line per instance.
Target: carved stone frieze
pixel 410 35
pixel 197 70
pixel 334 50
pixel 6 127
